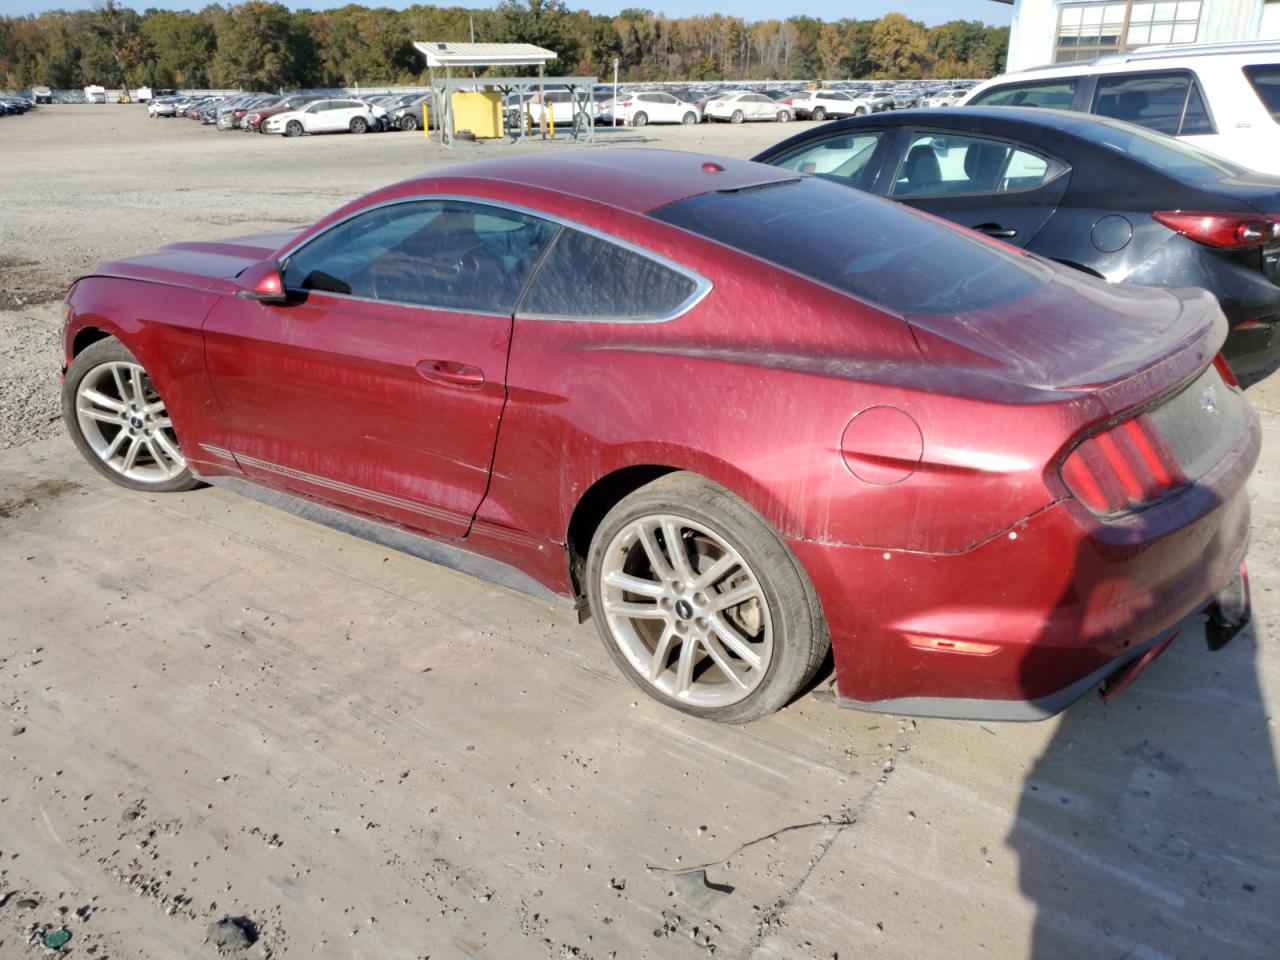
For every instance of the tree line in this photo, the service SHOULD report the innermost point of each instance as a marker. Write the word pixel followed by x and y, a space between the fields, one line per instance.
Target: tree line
pixel 265 45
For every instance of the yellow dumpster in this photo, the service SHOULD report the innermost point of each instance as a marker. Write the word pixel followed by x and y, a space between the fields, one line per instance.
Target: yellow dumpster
pixel 480 112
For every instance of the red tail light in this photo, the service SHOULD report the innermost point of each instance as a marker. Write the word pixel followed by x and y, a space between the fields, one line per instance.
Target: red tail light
pixel 1122 468
pixel 1227 231
pixel 1224 370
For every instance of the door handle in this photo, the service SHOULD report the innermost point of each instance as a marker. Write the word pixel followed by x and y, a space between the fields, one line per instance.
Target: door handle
pixel 995 230
pixel 451 372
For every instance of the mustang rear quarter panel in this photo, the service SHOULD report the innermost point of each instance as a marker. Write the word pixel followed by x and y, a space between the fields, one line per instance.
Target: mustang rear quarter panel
pixel 160 323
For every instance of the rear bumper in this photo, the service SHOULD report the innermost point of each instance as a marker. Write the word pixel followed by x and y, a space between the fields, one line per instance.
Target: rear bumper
pixel 1022 624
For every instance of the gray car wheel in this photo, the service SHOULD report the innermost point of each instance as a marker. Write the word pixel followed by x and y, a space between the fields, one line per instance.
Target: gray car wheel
pixel 701 603
pixel 737 117
pixel 119 422
pixel 293 128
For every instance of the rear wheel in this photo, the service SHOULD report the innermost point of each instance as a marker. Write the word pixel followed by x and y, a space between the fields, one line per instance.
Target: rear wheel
pixel 293 128
pixel 359 125
pixel 639 119
pixel 860 111
pixel 701 602
pixel 737 117
pixel 819 114
pixel 118 420
pixel 784 116
pixel 689 119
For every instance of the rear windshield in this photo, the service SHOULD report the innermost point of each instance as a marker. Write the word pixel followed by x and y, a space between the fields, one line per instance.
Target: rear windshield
pixel 1266 80
pixel 1178 158
pixel 869 247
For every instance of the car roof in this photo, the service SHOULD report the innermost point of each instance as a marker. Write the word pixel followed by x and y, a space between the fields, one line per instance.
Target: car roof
pixel 1245 50
pixel 636 180
pixel 1044 117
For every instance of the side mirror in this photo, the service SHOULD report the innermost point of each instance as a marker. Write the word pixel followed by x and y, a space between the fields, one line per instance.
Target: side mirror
pixel 262 282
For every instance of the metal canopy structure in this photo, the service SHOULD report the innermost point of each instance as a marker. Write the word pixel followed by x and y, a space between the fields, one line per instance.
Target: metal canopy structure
pixel 449 55
pixel 446 56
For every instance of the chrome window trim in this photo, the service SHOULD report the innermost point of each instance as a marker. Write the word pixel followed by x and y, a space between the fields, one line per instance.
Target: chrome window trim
pixel 702 286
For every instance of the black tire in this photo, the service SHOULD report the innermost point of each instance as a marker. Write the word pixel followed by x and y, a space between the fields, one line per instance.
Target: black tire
pixel 689 119
pixel 784 116
pixel 860 111
pixel 358 125
pixel 108 350
pixel 819 114
pixel 409 122
pixel 639 119
pixel 738 117
pixel 293 128
pixel 800 636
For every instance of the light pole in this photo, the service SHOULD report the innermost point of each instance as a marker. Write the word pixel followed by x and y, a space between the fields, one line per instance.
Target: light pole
pixel 615 91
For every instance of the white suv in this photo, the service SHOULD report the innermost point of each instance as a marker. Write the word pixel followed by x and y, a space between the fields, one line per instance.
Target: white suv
pixel 1224 97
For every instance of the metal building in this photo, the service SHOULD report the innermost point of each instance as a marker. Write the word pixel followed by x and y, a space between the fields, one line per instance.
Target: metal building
pixel 1060 31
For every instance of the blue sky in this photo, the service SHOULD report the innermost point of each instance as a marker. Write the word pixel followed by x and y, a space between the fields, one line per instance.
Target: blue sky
pixel 929 11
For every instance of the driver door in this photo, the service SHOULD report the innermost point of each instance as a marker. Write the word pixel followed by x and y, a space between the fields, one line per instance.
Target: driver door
pixel 378 387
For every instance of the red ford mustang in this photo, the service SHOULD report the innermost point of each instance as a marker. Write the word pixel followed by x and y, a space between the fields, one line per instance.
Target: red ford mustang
pixel 741 416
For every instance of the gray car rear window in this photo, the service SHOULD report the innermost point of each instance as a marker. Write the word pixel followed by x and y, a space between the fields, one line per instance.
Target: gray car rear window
pixel 874 249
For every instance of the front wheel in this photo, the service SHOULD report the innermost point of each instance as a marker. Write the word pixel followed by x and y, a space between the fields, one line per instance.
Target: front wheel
pixel 359 125
pixel 701 602
pixel 639 119
pixel 737 117
pixel 689 119
pixel 293 128
pixel 119 422
pixel 409 122
pixel 860 111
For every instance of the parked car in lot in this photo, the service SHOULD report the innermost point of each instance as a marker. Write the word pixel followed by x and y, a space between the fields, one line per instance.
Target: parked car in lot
pixel 1224 97
pixel 944 98
pixel 41 95
pixel 163 107
pixel 257 116
pixel 327 116
pixel 1111 198
pixel 651 106
pixel 949 456
pixel 823 104
pixel 739 106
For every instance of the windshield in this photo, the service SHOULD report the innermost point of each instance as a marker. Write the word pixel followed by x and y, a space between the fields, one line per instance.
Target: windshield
pixel 874 249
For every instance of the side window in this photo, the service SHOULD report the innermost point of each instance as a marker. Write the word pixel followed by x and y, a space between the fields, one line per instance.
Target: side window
pixel 1165 102
pixel 1266 83
pixel 625 285
pixel 1051 93
pixel 844 158
pixel 432 253
pixel 318 106
pixel 940 164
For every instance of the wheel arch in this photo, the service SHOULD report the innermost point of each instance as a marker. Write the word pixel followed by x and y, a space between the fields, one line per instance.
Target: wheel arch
pixel 85 337
pixel 596 501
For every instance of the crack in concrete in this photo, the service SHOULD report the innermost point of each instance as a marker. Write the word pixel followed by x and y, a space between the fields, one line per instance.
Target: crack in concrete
pixel 771 920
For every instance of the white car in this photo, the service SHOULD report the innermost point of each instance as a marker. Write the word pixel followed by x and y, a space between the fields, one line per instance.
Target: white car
pixel 737 106
pixel 328 116
pixel 163 107
pixel 651 106
pixel 946 98
pixel 820 104
pixel 557 105
pixel 1224 97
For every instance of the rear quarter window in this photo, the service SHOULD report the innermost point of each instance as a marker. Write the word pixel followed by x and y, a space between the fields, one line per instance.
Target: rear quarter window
pixel 587 278
pixel 1266 83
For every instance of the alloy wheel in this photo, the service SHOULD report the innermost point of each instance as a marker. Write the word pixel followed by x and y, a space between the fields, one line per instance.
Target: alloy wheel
pixel 124 421
pixel 686 611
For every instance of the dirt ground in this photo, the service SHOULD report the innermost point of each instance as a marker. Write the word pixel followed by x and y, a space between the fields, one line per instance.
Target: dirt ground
pixel 229 730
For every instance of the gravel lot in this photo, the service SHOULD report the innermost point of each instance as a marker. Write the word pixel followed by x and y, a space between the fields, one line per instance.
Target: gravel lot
pixel 230 731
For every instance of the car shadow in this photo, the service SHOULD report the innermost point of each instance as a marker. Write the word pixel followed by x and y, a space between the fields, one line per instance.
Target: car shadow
pixel 1150 825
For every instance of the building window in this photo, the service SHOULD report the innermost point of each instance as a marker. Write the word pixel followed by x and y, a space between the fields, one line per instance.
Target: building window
pixel 1088 30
